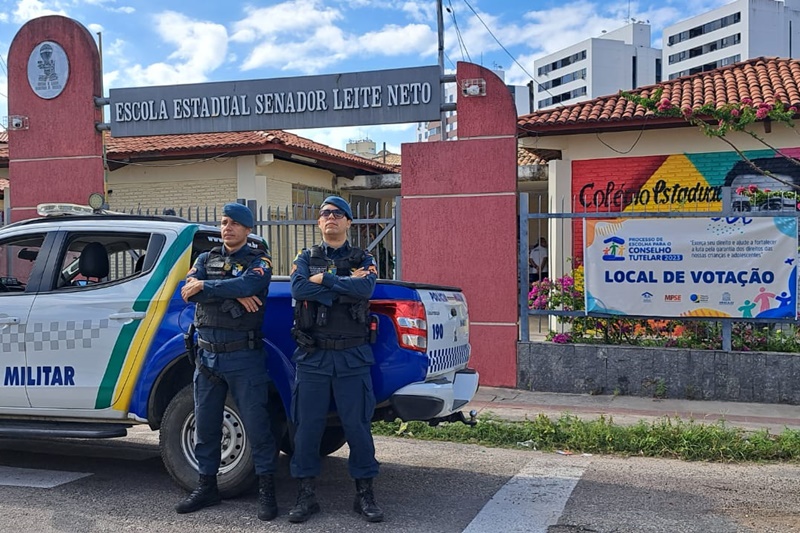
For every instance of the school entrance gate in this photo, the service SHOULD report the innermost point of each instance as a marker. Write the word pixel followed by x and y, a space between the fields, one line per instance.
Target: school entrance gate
pixel 459 207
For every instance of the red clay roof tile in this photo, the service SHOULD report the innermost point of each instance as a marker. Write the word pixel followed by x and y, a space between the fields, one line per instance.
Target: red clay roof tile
pixel 121 147
pixel 763 79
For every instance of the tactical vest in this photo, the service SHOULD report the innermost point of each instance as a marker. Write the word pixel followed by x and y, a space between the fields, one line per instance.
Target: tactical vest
pixel 229 313
pixel 347 318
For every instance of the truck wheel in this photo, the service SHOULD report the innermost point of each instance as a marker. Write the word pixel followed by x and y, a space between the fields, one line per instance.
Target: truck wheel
pixel 176 439
pixel 332 440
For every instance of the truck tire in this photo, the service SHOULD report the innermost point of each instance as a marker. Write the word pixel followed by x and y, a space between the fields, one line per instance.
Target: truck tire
pixel 176 439
pixel 332 440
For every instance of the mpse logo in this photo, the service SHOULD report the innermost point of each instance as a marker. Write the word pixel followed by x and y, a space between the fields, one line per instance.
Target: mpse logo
pixel 672 297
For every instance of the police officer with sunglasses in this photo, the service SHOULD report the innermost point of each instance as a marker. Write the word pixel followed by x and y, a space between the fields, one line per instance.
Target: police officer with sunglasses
pixel 331 285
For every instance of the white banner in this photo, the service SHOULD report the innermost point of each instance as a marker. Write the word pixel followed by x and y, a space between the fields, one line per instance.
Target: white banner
pixel 724 267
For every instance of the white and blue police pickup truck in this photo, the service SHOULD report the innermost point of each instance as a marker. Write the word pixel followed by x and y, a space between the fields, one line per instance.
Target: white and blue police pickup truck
pixel 91 340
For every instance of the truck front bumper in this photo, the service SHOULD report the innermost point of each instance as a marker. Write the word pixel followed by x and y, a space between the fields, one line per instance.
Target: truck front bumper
pixel 431 400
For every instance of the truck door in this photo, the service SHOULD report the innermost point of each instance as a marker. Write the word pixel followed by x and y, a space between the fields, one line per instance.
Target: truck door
pixel 88 327
pixel 19 265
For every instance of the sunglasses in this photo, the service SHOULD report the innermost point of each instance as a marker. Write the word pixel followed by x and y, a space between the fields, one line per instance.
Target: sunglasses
pixel 337 213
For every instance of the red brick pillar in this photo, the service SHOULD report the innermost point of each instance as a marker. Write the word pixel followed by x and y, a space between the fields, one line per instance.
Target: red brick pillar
pixel 55 152
pixel 459 220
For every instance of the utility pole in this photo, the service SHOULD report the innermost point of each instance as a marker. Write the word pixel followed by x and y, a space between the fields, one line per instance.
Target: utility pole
pixel 440 27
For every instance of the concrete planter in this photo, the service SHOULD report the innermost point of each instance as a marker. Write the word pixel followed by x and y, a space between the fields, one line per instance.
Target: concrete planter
pixel 762 377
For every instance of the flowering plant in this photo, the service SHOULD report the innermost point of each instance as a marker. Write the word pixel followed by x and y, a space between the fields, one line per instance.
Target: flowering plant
pixel 716 121
pixel 761 197
pixel 564 293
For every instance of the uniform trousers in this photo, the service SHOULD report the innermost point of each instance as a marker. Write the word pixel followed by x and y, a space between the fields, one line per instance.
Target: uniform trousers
pixel 355 403
pixel 243 373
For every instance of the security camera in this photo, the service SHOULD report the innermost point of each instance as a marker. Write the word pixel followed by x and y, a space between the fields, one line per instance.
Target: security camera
pixel 16 123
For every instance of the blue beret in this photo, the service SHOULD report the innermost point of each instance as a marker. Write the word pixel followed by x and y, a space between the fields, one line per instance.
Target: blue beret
pixel 239 213
pixel 341 203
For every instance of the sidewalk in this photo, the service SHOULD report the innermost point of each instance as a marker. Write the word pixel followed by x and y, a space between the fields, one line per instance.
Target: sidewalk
pixel 513 404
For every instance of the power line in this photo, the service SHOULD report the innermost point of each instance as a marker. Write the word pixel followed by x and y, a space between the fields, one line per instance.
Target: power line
pixel 514 59
pixel 461 44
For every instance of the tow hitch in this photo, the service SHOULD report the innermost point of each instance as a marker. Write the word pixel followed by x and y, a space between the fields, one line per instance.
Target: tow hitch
pixel 457 417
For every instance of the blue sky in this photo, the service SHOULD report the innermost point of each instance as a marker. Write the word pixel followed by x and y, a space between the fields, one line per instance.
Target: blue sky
pixel 165 42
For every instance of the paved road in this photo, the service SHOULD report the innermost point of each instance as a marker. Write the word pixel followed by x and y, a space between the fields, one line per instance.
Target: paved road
pixel 120 485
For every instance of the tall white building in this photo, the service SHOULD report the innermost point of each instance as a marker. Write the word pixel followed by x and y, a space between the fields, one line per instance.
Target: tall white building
pixel 735 32
pixel 618 60
pixel 433 131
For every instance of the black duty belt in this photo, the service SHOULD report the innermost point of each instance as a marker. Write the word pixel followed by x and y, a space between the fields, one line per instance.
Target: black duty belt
pixel 223 347
pixel 339 344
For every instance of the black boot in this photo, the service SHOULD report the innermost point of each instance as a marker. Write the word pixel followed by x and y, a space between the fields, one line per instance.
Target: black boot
pixel 364 503
pixel 267 506
pixel 205 495
pixel 306 502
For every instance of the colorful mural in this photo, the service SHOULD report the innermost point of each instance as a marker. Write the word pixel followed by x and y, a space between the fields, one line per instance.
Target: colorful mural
pixel 680 182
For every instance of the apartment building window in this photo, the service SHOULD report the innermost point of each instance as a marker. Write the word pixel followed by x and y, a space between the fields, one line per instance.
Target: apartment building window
pixel 561 63
pixel 563 97
pixel 708 27
pixel 566 78
pixel 697 51
pixel 658 70
pixel 708 66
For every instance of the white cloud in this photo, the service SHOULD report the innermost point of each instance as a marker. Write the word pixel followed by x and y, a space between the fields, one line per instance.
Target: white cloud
pixel 287 18
pixel 95 28
pixel 392 134
pixel 30 9
pixel 201 47
pixel 395 40
pixel 3 17
pixel 326 46
pixel 421 11
pixel 285 40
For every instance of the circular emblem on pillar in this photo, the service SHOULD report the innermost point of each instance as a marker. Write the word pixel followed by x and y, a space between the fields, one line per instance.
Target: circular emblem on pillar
pixel 48 69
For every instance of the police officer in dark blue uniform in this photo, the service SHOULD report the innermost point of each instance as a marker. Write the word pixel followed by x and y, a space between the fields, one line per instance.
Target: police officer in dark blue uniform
pixel 331 284
pixel 230 285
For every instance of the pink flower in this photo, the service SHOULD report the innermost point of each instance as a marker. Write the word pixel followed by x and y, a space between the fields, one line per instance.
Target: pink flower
pixel 792 110
pixel 767 190
pixel 561 338
pixel 687 112
pixel 734 112
pixel 752 188
pixel 762 113
pixel 739 190
pixel 747 101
